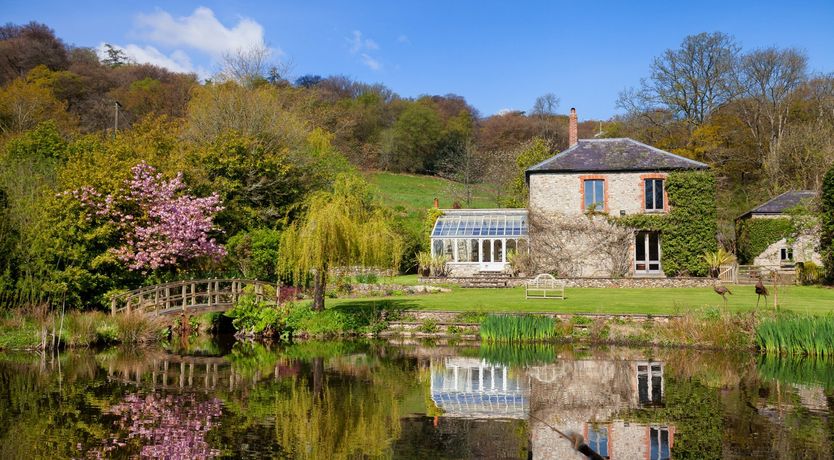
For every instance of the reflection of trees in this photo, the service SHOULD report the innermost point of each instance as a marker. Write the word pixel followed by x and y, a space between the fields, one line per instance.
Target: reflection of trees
pixel 348 406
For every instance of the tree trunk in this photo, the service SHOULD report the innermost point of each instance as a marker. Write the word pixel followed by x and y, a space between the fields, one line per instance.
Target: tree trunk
pixel 319 280
pixel 318 376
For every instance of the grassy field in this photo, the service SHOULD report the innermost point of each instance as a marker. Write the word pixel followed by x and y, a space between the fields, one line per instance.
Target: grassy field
pixel 657 301
pixel 414 194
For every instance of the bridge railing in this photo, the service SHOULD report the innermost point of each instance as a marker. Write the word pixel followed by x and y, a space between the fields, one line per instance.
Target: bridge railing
pixel 205 294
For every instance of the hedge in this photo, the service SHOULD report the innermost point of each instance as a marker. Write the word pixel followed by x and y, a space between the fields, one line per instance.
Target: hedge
pixel 689 229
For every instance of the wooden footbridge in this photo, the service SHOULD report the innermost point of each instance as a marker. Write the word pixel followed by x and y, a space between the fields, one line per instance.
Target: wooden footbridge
pixel 192 296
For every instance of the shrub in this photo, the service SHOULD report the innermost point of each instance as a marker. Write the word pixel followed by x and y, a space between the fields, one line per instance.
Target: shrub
pixel 367 278
pixel 258 317
pixel 253 254
pixel 429 326
pixel 808 272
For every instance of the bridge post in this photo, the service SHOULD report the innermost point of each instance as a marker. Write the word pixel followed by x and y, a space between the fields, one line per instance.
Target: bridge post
pixel 208 293
pixel 167 297
pixel 113 306
pixel 193 294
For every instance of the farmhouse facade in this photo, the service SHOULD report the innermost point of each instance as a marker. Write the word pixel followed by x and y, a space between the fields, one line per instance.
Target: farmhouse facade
pixel 579 203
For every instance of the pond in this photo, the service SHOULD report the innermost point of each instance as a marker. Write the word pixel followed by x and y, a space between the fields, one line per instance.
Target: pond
pixel 408 399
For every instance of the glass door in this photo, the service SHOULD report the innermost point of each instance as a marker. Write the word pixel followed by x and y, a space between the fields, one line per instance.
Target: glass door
pixel 647 253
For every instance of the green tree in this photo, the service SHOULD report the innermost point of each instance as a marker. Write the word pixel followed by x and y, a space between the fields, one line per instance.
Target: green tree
pixel 529 154
pixel 827 225
pixel 414 138
pixel 342 228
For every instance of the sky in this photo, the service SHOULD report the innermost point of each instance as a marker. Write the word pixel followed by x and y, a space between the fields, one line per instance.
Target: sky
pixel 498 55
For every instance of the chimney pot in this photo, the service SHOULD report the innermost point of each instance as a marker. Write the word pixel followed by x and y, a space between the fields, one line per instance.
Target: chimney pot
pixel 572 128
pixel 436 203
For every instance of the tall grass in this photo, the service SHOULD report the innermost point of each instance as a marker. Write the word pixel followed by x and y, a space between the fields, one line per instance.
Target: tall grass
pixel 518 328
pixel 797 335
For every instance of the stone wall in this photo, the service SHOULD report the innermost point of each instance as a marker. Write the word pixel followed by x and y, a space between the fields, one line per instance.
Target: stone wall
pixel 589 282
pixel 562 192
pixel 804 250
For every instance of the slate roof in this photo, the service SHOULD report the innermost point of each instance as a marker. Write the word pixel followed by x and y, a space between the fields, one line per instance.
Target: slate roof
pixel 782 203
pixel 614 155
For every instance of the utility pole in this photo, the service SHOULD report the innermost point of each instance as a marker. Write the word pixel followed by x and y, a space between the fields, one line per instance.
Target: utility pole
pixel 116 119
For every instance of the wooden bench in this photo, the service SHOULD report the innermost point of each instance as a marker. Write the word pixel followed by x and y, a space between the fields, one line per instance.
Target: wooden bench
pixel 545 286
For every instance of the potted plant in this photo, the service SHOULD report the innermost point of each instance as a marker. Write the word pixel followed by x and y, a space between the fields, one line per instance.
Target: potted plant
pixel 717 259
pixel 424 261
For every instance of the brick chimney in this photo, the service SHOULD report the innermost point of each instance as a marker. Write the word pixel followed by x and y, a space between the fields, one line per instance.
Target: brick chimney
pixel 572 132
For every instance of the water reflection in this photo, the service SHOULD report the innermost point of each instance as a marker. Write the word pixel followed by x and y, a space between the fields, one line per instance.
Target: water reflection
pixel 411 400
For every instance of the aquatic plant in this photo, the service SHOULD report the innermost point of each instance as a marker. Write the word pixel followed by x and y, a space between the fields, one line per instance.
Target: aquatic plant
pixel 794 334
pixel 517 328
pixel 797 371
pixel 517 355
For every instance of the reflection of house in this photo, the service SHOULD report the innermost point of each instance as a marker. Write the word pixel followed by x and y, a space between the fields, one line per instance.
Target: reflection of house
pixel 585 397
pixel 766 237
pixel 468 387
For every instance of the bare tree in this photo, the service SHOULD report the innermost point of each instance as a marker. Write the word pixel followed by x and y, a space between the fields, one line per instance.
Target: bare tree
pixel 546 105
pixel 249 66
pixel 768 80
pixel 691 81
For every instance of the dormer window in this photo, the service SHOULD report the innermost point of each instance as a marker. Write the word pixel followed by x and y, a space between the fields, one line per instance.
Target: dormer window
pixel 594 193
pixel 653 193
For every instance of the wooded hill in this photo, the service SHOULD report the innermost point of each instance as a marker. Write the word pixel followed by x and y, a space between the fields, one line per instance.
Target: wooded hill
pixel 262 142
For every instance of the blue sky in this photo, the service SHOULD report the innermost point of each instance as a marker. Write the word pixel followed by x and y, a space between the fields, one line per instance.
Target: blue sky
pixel 498 55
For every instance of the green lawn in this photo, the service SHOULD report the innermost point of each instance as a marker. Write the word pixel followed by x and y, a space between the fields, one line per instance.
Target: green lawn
pixel 416 193
pixel 658 301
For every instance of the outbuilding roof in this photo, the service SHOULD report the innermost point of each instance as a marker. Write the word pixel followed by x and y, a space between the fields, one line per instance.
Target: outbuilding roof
pixel 618 154
pixel 782 203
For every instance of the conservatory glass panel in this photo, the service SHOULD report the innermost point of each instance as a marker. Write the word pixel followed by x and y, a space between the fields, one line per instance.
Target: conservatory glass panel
pixel 463 251
pixel 437 247
pixel 473 246
pixel 465 226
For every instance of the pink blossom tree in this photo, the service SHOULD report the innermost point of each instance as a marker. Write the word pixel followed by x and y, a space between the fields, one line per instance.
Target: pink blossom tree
pixel 159 226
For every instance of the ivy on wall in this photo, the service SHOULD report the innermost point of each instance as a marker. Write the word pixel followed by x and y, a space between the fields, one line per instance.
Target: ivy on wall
pixel 689 229
pixel 753 235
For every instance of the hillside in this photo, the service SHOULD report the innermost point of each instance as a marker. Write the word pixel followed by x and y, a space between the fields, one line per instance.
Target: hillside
pixel 413 194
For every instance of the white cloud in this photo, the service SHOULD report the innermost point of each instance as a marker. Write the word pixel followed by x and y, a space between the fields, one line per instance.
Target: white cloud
pixel 201 31
pixel 505 111
pixel 363 46
pixel 372 63
pixel 177 61
pixel 403 39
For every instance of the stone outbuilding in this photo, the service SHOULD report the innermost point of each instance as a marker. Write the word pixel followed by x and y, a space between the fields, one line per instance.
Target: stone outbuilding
pixel 767 235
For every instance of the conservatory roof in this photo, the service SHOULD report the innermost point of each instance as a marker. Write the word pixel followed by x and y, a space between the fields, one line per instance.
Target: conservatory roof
pixel 479 223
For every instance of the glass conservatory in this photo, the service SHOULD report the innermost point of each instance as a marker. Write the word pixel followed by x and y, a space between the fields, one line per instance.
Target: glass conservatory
pixel 480 238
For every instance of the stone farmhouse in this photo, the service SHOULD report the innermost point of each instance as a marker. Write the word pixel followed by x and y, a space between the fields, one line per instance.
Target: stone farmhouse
pixel 768 238
pixel 569 227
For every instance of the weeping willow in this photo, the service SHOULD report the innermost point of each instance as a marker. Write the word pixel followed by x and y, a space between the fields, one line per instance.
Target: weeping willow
pixel 342 228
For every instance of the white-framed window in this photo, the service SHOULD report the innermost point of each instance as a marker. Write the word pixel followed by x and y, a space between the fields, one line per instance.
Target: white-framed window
pixel 653 191
pixel 594 192
pixel 786 254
